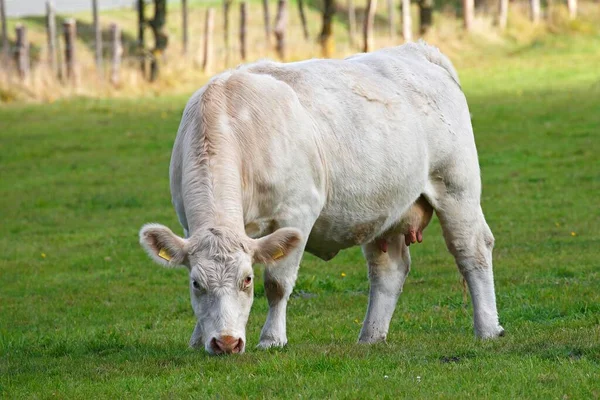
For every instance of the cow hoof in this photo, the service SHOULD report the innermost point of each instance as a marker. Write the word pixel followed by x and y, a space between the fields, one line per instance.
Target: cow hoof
pixel 371 339
pixel 269 343
pixel 492 333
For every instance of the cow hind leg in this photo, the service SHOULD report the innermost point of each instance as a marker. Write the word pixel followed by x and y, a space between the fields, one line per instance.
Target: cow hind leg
pixel 470 241
pixel 387 273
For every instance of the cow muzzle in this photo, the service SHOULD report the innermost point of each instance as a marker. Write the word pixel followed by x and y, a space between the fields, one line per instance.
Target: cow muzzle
pixel 227 345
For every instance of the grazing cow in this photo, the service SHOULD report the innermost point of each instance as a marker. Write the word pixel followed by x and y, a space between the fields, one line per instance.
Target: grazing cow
pixel 274 159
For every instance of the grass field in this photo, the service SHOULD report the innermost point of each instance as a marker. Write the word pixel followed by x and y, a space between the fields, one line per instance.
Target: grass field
pixel 85 314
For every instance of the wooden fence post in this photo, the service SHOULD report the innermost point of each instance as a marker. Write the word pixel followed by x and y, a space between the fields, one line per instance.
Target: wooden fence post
pixel 303 19
pixel 208 38
pixel 226 7
pixel 572 5
pixel 243 24
pixel 97 38
pixel 280 24
pixel 535 11
pixel 161 38
pixel 141 8
pixel 5 45
pixel 351 22
pixel 503 14
pixel 184 25
pixel 267 19
pixel 70 32
pixel 406 21
pixel 468 13
pixel 425 15
pixel 117 52
pixel 368 25
pixel 22 51
pixel 326 38
pixel 51 35
pixel 391 18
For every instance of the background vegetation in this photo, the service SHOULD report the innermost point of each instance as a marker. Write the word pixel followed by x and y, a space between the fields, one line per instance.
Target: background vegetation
pixel 182 74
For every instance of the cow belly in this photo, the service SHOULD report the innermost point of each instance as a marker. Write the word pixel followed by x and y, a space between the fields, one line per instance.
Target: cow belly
pixel 330 235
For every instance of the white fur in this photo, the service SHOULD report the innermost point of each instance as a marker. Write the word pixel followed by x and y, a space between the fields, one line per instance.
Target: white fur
pixel 340 150
pixel 387 273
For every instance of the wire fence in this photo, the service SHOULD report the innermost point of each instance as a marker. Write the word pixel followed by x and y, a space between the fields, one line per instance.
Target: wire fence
pixel 57 66
pixel 127 48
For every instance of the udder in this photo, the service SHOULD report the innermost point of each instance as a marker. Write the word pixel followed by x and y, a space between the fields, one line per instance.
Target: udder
pixel 415 221
pixel 412 223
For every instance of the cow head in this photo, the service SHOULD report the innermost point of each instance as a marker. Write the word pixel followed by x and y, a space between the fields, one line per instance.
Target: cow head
pixel 221 276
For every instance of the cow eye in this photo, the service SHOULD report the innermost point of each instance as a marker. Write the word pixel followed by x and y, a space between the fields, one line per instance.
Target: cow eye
pixel 248 281
pixel 196 285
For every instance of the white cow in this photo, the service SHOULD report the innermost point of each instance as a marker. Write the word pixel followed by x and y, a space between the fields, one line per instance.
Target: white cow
pixel 274 159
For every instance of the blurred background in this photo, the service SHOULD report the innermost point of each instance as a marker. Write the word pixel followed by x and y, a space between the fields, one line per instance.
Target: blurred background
pixel 19 8
pixel 60 48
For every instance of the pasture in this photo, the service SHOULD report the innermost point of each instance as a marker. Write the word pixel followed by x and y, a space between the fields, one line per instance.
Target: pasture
pixel 84 313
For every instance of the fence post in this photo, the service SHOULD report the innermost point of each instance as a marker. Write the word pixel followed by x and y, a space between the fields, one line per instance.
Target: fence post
pixel 70 31
pixel 351 22
pixel 208 38
pixel 280 23
pixel 303 19
pixel 141 7
pixel 535 11
pixel 243 23
pixel 326 38
pixel 503 14
pixel 468 13
pixel 572 5
pixel 98 38
pixel 368 25
pixel 117 52
pixel 406 21
pixel 391 19
pixel 226 7
pixel 22 51
pixel 184 22
pixel 161 39
pixel 267 18
pixel 425 15
pixel 51 34
pixel 5 45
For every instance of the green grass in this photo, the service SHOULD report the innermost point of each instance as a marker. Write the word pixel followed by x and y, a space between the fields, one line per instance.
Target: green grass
pixel 85 314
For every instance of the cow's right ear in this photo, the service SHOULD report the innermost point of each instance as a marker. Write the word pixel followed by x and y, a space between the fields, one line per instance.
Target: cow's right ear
pixel 276 246
pixel 163 246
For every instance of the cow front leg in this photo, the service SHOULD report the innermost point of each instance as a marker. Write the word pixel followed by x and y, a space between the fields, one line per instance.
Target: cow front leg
pixel 278 288
pixel 387 272
pixel 280 279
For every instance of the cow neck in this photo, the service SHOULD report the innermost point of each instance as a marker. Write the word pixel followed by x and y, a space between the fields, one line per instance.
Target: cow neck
pixel 212 192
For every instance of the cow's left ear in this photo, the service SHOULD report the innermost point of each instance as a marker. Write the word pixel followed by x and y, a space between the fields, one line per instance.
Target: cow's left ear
pixel 276 246
pixel 163 246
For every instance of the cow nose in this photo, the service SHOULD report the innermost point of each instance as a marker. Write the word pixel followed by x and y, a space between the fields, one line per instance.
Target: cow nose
pixel 226 345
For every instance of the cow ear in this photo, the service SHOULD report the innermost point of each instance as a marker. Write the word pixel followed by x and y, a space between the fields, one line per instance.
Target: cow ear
pixel 276 246
pixel 163 246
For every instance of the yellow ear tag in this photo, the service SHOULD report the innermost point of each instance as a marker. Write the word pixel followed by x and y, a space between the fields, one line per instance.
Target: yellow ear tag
pixel 164 255
pixel 278 254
